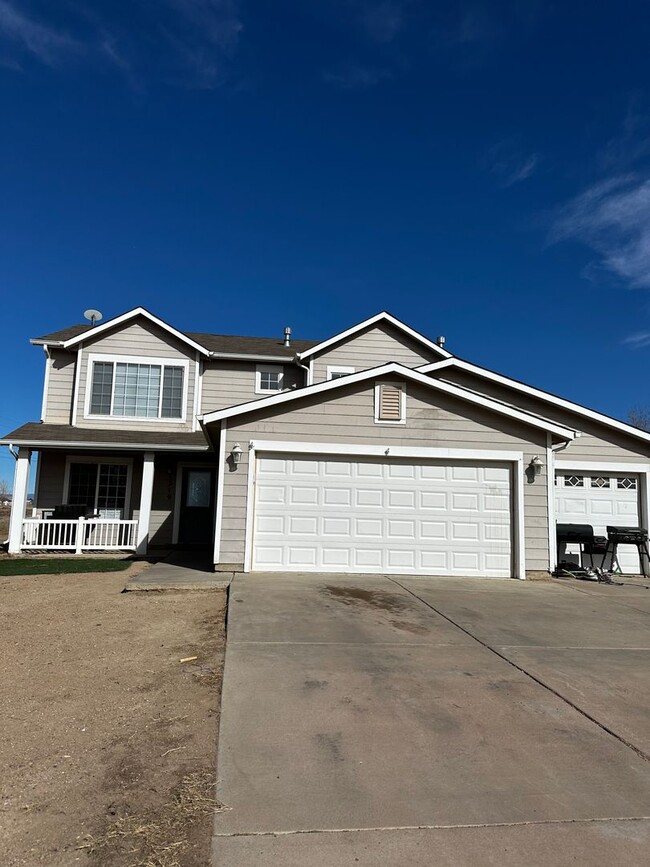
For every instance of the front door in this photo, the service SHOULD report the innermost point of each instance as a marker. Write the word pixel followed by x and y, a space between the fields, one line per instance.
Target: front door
pixel 196 519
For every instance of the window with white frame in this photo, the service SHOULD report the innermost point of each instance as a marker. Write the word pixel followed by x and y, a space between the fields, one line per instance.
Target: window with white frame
pixel 390 403
pixel 338 372
pixel 269 378
pixel 137 388
pixel 100 486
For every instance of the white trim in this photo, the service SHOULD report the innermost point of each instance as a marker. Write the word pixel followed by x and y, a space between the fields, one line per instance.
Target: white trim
pixel 310 372
pixel 146 499
pixel 379 317
pixel 197 380
pixel 221 469
pixel 125 317
pixel 550 503
pixel 19 500
pixel 473 455
pixel 250 508
pixel 403 373
pixel 46 382
pixel 197 425
pixel 155 361
pixel 538 393
pixel 77 381
pixel 519 540
pixel 605 466
pixel 383 450
pixel 268 368
pixel 337 368
pixel 111 446
pixel 402 403
pixel 252 356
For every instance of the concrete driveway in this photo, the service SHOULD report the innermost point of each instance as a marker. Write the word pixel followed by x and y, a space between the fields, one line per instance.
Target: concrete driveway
pixel 420 721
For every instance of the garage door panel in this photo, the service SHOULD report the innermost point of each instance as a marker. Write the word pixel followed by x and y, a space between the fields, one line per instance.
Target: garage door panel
pixel 375 515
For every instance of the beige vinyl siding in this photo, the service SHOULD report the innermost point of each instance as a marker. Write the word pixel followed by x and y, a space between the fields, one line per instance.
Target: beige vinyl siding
pixel 597 441
pixel 228 383
pixel 432 420
pixel 139 339
pixel 60 386
pixel 376 345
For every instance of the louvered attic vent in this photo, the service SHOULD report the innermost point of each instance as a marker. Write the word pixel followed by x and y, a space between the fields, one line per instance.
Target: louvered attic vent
pixel 389 402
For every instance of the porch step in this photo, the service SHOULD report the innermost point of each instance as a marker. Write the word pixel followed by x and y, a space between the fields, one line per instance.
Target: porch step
pixel 177 573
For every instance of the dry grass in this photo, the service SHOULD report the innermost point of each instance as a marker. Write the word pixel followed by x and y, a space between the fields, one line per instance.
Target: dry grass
pixel 161 840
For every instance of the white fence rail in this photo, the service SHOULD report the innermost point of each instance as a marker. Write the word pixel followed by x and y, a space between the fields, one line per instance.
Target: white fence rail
pixel 78 535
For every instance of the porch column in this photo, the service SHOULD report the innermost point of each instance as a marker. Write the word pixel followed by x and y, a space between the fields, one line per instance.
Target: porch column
pixel 19 500
pixel 145 502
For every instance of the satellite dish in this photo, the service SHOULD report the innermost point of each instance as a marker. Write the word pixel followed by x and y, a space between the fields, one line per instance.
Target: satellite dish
pixel 93 315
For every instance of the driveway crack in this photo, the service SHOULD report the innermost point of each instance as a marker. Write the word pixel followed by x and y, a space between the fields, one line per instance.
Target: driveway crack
pixel 527 673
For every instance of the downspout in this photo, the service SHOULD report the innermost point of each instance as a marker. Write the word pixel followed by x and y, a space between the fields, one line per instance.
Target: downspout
pixel 13 451
pixel 297 362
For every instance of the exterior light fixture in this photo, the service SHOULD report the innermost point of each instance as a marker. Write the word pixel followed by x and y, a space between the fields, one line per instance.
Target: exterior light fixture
pixel 536 465
pixel 236 454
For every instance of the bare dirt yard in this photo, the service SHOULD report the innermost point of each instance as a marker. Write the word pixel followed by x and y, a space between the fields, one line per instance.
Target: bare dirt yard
pixel 108 742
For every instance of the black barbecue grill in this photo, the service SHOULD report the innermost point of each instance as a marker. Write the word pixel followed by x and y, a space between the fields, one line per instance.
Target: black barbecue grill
pixel 637 536
pixel 599 546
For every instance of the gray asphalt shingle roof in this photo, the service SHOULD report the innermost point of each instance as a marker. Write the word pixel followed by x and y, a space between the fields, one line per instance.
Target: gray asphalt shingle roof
pixel 228 343
pixel 58 434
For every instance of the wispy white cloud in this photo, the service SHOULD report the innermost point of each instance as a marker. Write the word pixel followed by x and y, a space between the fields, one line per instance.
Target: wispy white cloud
pixel 22 32
pixel 510 162
pixel 639 340
pixel 188 42
pixel 613 219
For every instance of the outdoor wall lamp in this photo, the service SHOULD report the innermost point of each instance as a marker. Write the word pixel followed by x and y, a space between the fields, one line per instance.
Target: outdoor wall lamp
pixel 236 454
pixel 536 466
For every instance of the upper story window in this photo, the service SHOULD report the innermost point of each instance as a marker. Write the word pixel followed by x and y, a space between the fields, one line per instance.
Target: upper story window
pixel 390 403
pixel 337 372
pixel 124 387
pixel 269 378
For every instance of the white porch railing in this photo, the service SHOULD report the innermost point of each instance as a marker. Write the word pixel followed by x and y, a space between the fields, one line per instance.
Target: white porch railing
pixel 78 535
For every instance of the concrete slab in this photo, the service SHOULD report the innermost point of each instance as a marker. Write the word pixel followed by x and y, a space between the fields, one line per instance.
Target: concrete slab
pixel 331 609
pixel 520 614
pixel 598 844
pixel 180 571
pixel 613 686
pixel 349 704
pixel 633 594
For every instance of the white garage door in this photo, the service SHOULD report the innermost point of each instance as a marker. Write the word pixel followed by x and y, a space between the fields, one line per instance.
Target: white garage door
pixel 382 515
pixel 599 500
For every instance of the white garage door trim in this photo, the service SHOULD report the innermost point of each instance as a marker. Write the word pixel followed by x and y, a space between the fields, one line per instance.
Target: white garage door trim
pixel 323 449
pixel 643 471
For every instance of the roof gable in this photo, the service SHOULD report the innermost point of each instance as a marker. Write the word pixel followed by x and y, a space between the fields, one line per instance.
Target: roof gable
pixel 545 396
pixel 128 317
pixel 374 320
pixel 405 373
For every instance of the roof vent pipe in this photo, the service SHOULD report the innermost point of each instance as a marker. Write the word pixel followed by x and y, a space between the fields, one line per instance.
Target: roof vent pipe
pixel 441 341
pixel 287 337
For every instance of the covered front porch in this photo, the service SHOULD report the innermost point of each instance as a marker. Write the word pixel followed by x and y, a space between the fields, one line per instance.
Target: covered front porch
pixel 113 499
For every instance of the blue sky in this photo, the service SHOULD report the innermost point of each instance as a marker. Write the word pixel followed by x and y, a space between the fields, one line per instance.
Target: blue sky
pixel 479 169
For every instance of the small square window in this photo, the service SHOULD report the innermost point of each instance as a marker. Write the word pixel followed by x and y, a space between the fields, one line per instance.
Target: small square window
pixel 599 482
pixel 574 482
pixel 626 483
pixel 338 372
pixel 270 379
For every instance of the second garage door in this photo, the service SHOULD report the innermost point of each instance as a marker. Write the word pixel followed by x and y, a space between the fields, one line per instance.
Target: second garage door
pixel 382 516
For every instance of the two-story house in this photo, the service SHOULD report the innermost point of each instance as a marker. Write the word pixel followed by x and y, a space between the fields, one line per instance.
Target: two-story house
pixel 375 450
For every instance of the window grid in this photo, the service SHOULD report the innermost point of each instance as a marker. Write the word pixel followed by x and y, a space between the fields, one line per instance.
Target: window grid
pixel 626 483
pixel 99 486
pixel 270 380
pixel 600 482
pixel 102 388
pixel 135 390
pixel 574 481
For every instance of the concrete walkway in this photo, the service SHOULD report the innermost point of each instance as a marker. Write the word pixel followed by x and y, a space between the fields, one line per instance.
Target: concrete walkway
pixel 372 721
pixel 182 570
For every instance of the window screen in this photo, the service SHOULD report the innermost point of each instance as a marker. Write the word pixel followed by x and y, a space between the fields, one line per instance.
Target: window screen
pixel 102 388
pixel 172 396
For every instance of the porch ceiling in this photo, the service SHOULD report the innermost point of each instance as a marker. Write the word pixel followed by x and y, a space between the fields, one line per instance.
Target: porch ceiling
pixel 38 435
